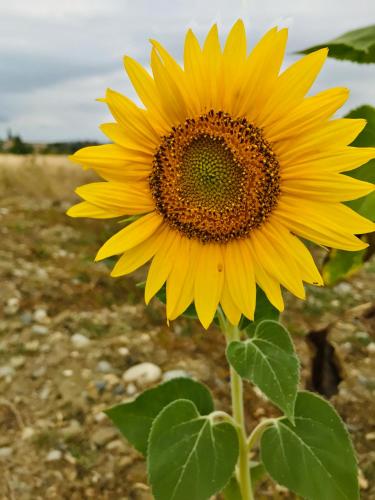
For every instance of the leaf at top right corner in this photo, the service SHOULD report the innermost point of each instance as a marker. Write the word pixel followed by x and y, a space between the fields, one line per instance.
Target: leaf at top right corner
pixel 357 46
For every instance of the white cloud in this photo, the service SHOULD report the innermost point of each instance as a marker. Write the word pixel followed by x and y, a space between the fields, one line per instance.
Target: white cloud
pixel 57 56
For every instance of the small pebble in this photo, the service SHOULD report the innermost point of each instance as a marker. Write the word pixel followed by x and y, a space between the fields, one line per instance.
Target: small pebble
pixel 99 417
pixel 371 347
pixel 12 306
pixel 6 371
pixel 53 456
pixel 104 366
pixel 67 373
pixel 370 436
pixel 104 435
pixel 39 329
pixel 27 433
pixel 123 351
pixel 17 361
pixel 80 341
pixel 101 385
pixel 72 430
pixel 40 316
pixel 343 288
pixel 131 389
pixel 117 445
pixel 39 372
pixel 171 374
pixel 118 390
pixel 32 345
pixel 5 452
pixel 26 318
pixel 142 374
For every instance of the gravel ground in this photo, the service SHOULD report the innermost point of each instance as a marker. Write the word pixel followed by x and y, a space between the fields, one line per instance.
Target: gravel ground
pixel 69 335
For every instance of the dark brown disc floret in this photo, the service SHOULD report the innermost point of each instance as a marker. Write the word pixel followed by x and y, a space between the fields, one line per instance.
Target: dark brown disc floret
pixel 215 178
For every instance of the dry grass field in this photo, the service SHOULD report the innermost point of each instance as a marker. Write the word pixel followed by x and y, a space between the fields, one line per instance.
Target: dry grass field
pixel 69 332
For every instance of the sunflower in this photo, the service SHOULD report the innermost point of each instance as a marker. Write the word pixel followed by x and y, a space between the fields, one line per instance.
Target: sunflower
pixel 224 168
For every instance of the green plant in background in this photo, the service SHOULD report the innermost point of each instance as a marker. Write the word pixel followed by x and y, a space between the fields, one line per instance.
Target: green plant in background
pixel 357 46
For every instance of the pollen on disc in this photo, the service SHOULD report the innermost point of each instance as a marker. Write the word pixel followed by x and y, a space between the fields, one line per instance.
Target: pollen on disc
pixel 215 178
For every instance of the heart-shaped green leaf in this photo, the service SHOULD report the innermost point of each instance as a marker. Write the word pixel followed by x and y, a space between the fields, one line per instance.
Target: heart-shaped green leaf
pixel 314 458
pixel 189 457
pixel 268 360
pixel 357 46
pixel 134 419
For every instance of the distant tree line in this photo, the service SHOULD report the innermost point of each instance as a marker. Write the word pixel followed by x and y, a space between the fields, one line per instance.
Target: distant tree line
pixel 14 144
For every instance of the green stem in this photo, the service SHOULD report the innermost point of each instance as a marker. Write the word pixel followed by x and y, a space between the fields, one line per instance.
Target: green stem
pixel 243 466
pixel 258 431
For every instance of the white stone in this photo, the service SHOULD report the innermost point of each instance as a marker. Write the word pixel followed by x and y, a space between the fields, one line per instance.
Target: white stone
pixel 131 389
pixel 343 288
pixel 371 347
pixel 17 361
pixel 5 452
pixel 27 433
pixel 40 316
pixel 53 456
pixel 12 306
pixel 171 374
pixel 39 329
pixel 80 341
pixel 6 371
pixel 104 366
pixel 124 351
pixel 142 374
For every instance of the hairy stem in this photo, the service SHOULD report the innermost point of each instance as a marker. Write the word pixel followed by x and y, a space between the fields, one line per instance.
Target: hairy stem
pixel 243 467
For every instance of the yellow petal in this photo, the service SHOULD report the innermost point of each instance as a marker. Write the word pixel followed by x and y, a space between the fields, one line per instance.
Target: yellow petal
pixel 208 282
pixel 267 283
pixel 171 97
pixel 329 188
pixel 312 112
pixel 117 134
pixel 146 89
pixel 316 224
pixel 230 309
pixel 240 277
pixel 162 264
pixel 131 236
pixel 212 65
pixel 260 74
pixel 275 260
pixel 133 119
pixel 113 162
pixel 234 58
pixel 180 283
pixel 193 65
pixel 342 160
pixel 331 136
pixel 134 198
pixel 291 87
pixel 339 216
pixel 298 252
pixel 175 71
pixel 137 256
pixel 86 209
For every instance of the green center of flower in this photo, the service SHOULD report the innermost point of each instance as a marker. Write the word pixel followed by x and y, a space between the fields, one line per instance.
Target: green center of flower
pixel 215 178
pixel 210 175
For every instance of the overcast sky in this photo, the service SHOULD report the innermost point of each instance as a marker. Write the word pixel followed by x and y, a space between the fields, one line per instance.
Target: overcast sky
pixel 58 56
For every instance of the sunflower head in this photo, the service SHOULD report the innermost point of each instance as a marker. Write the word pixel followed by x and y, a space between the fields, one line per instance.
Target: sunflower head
pixel 225 166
